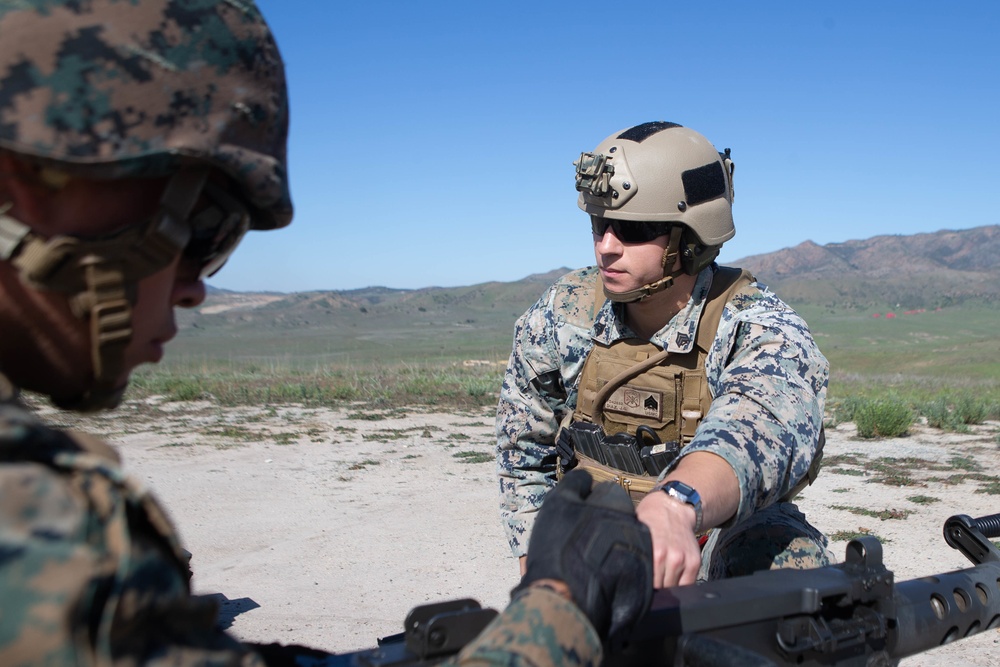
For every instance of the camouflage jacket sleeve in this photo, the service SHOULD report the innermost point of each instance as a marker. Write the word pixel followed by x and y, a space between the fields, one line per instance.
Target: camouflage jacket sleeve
pixel 90 567
pixel 538 629
pixel 551 342
pixel 768 381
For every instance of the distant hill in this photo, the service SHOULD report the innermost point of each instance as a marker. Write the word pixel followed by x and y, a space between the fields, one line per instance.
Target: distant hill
pixel 918 271
pixel 428 303
pixel 368 325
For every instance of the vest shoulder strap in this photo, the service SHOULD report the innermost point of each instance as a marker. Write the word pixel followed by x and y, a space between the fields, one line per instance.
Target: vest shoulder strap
pixel 726 283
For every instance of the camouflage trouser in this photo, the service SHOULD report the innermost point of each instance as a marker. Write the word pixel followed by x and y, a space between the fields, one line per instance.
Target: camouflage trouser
pixel 774 538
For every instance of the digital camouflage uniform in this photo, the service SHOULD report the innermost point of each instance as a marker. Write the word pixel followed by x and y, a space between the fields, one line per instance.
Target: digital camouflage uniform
pixel 91 570
pixel 537 628
pixel 768 382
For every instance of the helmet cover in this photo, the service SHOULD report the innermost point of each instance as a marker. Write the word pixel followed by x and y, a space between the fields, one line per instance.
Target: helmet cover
pixel 112 89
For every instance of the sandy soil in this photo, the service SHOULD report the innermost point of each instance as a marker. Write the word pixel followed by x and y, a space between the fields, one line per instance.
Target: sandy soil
pixel 323 527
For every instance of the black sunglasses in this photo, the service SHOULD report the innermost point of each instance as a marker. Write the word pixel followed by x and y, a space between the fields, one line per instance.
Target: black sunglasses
pixel 216 230
pixel 629 231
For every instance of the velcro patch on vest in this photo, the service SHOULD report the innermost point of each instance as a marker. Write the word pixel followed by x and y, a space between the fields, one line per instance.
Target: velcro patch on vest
pixel 636 402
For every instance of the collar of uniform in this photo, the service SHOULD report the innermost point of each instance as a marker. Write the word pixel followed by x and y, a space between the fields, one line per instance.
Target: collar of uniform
pixel 677 337
pixel 609 324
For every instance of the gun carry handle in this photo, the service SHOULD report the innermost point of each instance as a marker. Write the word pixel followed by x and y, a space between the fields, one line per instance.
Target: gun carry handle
pixel 969 536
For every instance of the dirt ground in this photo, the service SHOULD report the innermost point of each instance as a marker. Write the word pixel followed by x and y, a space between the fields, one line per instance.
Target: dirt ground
pixel 325 526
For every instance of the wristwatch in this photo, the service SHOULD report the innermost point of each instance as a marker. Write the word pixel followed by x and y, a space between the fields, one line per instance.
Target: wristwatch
pixel 685 494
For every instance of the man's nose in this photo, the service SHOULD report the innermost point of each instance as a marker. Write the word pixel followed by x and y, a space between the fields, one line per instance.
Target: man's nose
pixel 609 243
pixel 189 292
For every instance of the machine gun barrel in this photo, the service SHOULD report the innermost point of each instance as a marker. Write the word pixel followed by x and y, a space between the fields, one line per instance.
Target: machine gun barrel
pixel 937 610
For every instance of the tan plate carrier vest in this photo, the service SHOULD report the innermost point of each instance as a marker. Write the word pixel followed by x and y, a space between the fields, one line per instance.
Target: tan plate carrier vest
pixel 633 383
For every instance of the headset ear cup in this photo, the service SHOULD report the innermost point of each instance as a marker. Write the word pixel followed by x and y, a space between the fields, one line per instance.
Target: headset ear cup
pixel 694 255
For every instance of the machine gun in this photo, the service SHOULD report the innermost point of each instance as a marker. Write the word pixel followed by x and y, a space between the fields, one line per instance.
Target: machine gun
pixel 852 613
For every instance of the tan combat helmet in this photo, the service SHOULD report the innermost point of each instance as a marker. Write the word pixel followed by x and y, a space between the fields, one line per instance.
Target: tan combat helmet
pixel 662 172
pixel 108 90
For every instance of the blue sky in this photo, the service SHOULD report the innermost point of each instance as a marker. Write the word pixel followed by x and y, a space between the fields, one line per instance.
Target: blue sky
pixel 432 142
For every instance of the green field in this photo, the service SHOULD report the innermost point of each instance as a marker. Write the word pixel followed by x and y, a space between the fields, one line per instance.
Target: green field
pixel 941 364
pixel 397 355
pixel 956 346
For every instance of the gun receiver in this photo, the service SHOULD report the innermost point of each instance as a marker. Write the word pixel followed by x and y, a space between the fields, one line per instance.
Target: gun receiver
pixel 848 614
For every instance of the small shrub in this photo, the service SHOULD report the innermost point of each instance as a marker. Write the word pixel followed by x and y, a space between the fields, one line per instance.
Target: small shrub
pixel 882 515
pixel 843 410
pixel 957 414
pixel 847 535
pixel 938 415
pixel 971 409
pixel 235 432
pixel 964 463
pixel 833 463
pixel 183 389
pixel 374 416
pixel 285 438
pixel 892 472
pixel 853 459
pixel 473 457
pixel 853 472
pixel 387 434
pixel 481 387
pixel 882 418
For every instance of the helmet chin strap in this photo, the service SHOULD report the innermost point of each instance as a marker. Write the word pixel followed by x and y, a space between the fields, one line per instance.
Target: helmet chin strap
pixel 100 277
pixel 670 256
pixel 108 302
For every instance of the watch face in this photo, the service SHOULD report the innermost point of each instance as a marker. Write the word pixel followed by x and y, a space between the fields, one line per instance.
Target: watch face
pixel 685 494
pixel 682 491
pixel 681 487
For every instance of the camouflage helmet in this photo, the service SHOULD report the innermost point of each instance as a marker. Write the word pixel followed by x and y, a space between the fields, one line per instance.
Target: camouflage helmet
pixel 663 172
pixel 123 88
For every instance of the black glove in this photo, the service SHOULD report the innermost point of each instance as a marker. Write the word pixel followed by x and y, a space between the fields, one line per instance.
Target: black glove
pixel 564 446
pixel 592 540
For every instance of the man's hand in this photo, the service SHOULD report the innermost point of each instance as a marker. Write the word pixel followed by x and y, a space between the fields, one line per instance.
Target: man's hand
pixel 588 537
pixel 676 554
